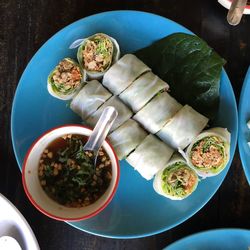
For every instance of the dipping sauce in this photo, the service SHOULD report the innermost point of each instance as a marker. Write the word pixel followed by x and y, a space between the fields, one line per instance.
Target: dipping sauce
pixel 68 175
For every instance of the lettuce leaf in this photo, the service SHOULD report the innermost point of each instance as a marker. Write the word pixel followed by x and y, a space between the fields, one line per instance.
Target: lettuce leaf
pixel 190 67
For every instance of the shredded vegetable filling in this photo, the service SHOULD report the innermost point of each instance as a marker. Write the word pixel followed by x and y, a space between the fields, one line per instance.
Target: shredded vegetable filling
pixel 68 175
pixel 208 153
pixel 178 180
pixel 66 77
pixel 97 53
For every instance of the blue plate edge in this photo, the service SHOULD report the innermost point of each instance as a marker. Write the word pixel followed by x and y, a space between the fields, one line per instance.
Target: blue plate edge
pixel 245 230
pixel 240 139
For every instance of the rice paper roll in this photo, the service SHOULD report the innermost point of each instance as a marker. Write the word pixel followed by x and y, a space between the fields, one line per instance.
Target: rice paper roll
pixel 157 112
pixel 176 180
pixel 65 80
pixel 150 156
pixel 124 113
pixel 209 152
pixel 96 54
pixel 184 126
pixel 89 99
pixel 123 73
pixel 126 138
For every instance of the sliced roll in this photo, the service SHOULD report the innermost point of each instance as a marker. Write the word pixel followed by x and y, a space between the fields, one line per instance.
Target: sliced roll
pixel 209 152
pixel 142 90
pixel 65 80
pixel 150 156
pixel 126 138
pixel 184 126
pixel 96 54
pixel 89 99
pixel 176 180
pixel 157 112
pixel 123 73
pixel 124 113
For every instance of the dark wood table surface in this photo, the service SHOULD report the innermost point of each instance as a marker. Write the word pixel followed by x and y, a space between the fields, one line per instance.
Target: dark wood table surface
pixel 26 25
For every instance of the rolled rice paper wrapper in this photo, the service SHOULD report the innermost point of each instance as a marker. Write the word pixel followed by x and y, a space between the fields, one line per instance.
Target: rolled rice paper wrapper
pixel 184 126
pixel 124 113
pixel 127 137
pixel 142 90
pixel 163 187
pixel 123 73
pixel 150 156
pixel 89 99
pixel 157 112
pixel 225 137
pixel 52 89
pixel 115 56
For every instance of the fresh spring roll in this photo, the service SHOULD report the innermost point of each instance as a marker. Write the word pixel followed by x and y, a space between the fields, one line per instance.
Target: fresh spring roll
pixel 126 138
pixel 184 126
pixel 142 90
pixel 65 80
pixel 123 73
pixel 124 113
pixel 96 54
pixel 209 152
pixel 176 180
pixel 89 99
pixel 157 112
pixel 150 156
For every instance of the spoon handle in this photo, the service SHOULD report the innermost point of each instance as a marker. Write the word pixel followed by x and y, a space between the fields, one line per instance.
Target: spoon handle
pixel 101 129
pixel 236 11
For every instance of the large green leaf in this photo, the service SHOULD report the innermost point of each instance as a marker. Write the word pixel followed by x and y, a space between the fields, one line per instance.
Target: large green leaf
pixel 190 67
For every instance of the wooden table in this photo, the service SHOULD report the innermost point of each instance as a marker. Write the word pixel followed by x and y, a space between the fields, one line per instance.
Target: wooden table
pixel 26 25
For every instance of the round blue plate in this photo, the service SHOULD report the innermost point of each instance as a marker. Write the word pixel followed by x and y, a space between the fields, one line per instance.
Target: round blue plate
pixel 244 132
pixel 220 239
pixel 136 210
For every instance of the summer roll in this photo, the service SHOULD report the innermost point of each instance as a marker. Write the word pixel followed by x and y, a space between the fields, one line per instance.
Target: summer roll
pixel 176 180
pixel 123 73
pixel 184 126
pixel 124 113
pixel 127 137
pixel 157 112
pixel 65 80
pixel 96 54
pixel 142 90
pixel 209 152
pixel 150 156
pixel 89 99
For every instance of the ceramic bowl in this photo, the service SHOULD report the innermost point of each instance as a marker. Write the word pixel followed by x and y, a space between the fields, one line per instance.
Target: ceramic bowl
pixel 41 200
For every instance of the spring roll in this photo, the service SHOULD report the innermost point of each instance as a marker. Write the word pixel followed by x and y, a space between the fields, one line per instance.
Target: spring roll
pixel 150 156
pixel 89 99
pixel 65 80
pixel 209 152
pixel 126 138
pixel 96 54
pixel 184 126
pixel 142 90
pixel 123 73
pixel 157 112
pixel 176 180
pixel 124 113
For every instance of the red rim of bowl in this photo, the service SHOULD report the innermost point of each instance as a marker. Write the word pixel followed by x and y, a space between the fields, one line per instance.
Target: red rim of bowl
pixel 54 216
pixel 247 6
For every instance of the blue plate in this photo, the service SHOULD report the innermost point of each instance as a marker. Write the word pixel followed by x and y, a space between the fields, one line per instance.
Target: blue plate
pixel 220 239
pixel 136 210
pixel 244 132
